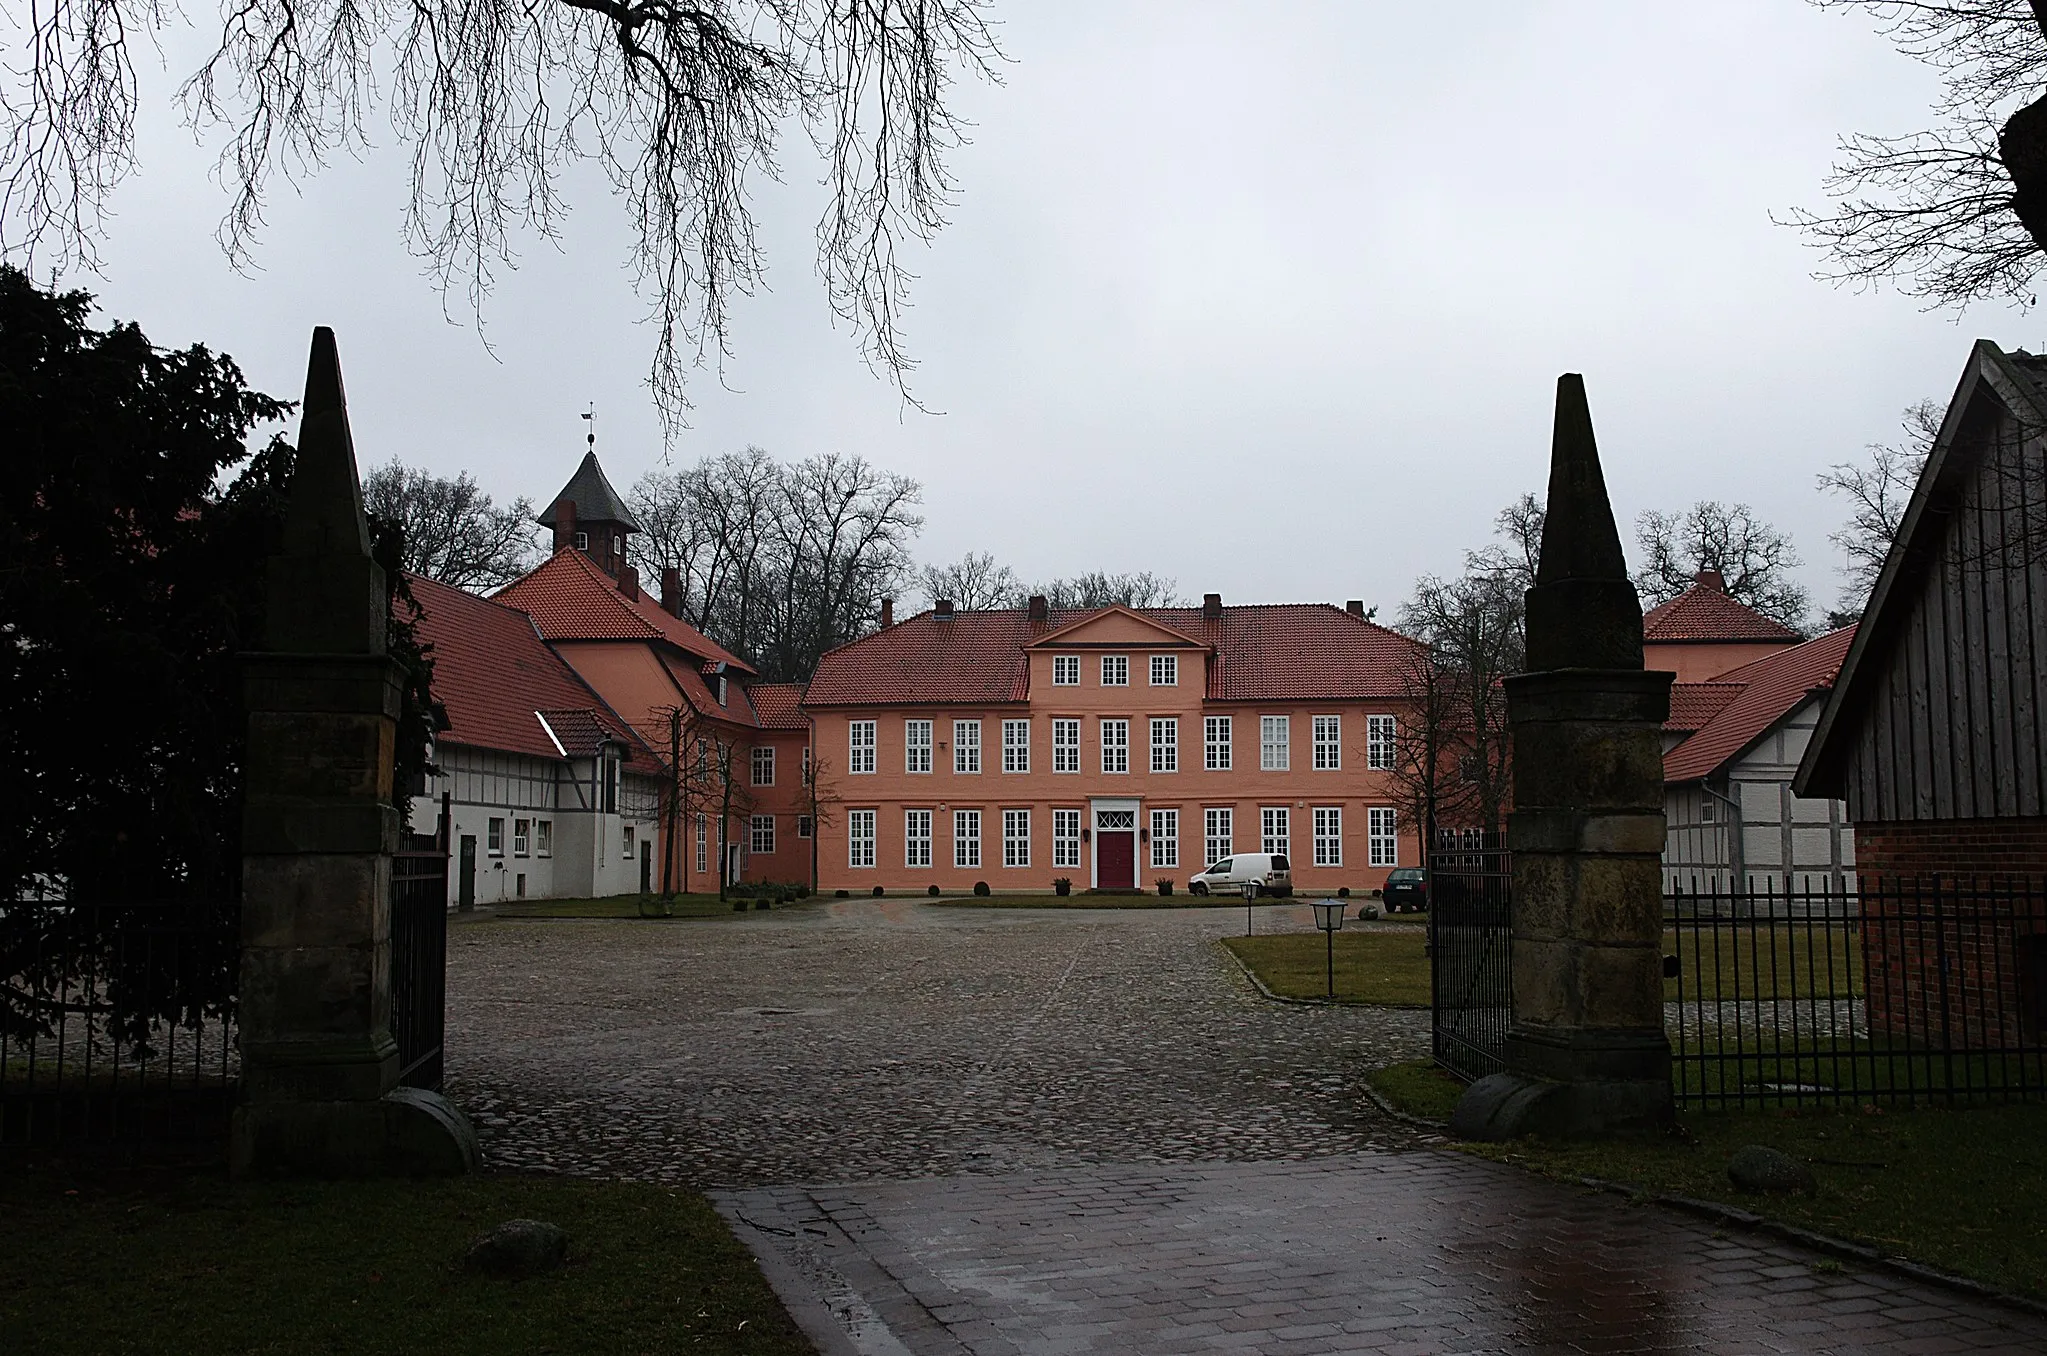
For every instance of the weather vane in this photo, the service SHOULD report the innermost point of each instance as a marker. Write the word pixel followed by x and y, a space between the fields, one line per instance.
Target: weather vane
pixel 590 416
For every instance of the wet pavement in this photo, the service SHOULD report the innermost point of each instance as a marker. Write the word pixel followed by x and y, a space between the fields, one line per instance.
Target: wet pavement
pixel 993 1131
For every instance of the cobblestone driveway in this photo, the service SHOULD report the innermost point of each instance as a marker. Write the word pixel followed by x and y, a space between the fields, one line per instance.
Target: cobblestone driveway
pixel 860 1039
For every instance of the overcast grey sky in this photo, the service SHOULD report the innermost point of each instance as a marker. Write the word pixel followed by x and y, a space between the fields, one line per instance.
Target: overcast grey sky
pixel 1270 300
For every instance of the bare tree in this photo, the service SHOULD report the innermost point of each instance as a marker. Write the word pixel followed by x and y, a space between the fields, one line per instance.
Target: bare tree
pixel 1956 212
pixel 452 530
pixel 1514 557
pixel 1096 588
pixel 498 102
pixel 819 799
pixel 1473 626
pixel 974 583
pixel 1753 558
pixel 1877 491
pixel 1433 737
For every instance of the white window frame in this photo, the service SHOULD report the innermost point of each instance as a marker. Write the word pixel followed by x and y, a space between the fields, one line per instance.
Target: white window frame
pixel 1016 746
pixel 1065 838
pixel 703 845
pixel 1165 670
pixel 860 744
pixel 1115 670
pixel 1115 745
pixel 1066 754
pixel 627 838
pixel 1327 733
pixel 1275 743
pixel 966 747
pixel 1016 837
pixel 1382 734
pixel 1275 826
pixel 917 838
pixel 763 765
pixel 760 834
pixel 1165 744
pixel 1065 670
pixel 543 838
pixel 917 738
pixel 1215 743
pixel 494 837
pixel 860 837
pixel 966 839
pixel 1218 828
pixel 1382 835
pixel 522 830
pixel 1165 838
pixel 803 826
pixel 1328 827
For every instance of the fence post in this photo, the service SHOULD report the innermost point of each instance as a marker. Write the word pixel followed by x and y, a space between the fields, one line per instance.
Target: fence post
pixel 319 1065
pixel 1586 1052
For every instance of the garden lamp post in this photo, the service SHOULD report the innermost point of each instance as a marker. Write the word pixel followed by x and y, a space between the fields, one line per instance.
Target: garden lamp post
pixel 1329 917
pixel 1250 894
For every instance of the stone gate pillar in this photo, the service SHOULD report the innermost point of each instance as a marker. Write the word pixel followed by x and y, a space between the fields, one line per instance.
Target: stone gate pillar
pixel 320 1091
pixel 1586 1049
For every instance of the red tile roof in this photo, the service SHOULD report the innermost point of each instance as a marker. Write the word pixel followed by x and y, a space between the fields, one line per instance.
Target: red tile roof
pixel 570 598
pixel 1770 689
pixel 1274 652
pixel 1693 704
pixel 777 706
pixel 1704 613
pixel 495 676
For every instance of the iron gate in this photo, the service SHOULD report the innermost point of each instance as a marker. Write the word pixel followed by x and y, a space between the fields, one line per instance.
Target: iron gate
pixel 1471 934
pixel 419 958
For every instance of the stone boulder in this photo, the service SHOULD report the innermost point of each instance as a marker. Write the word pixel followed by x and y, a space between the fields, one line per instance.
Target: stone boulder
pixel 518 1247
pixel 1758 1167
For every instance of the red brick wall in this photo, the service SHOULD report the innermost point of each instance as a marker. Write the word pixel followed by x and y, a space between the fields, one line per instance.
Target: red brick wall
pixel 1953 847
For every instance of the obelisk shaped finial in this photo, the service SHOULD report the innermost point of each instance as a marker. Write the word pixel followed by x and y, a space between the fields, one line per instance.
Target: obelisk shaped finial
pixel 1583 612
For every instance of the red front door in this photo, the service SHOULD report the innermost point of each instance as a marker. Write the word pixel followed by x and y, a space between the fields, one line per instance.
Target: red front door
pixel 1116 859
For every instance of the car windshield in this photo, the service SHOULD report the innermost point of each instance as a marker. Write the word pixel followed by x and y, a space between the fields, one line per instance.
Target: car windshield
pixel 1406 873
pixel 1279 864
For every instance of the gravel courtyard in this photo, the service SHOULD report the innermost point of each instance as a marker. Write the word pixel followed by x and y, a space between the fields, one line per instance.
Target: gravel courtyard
pixel 858 1039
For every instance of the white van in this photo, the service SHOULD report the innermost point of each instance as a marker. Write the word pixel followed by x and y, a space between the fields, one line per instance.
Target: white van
pixel 1269 872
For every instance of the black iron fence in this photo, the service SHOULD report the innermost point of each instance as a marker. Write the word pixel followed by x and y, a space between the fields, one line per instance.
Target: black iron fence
pixel 117 1021
pixel 419 962
pixel 1471 953
pixel 1907 991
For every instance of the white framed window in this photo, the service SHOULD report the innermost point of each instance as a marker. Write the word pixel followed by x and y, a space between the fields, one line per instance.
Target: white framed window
pixel 1165 838
pixel 966 746
pixel 1016 837
pixel 1066 838
pixel 1382 836
pixel 1115 670
pixel 1329 835
pixel 860 838
pixel 1328 733
pixel 1165 670
pixel 1217 833
pixel 966 837
pixel 628 842
pixel 1274 749
pixel 760 834
pixel 1215 744
pixel 1065 670
pixel 806 765
pixel 1272 829
pixel 1165 744
pixel 582 541
pixel 1115 745
pixel 543 838
pixel 764 765
pixel 860 746
pixel 495 838
pixel 1016 746
pixel 703 846
pixel 916 746
pixel 803 826
pixel 1066 746
pixel 916 838
pixel 1380 733
pixel 522 830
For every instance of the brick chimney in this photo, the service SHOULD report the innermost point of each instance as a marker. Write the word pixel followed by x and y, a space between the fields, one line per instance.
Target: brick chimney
pixel 1356 608
pixel 671 590
pixel 888 613
pixel 565 525
pixel 942 609
pixel 629 582
pixel 1040 610
pixel 1711 579
pixel 1212 605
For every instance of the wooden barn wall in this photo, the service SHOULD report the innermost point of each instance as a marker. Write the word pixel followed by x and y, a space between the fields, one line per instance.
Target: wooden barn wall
pixel 1954 728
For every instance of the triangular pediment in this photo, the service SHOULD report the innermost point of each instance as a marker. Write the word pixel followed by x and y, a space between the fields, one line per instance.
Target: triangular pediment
pixel 1116 627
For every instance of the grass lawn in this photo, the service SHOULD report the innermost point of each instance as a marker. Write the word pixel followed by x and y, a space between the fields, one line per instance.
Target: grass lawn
pixel 1734 959
pixel 163 1263
pixel 616 906
pixel 1963 1190
pixel 1384 966
pixel 1082 900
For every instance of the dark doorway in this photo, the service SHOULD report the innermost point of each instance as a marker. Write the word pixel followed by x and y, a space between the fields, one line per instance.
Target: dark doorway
pixel 465 895
pixel 1115 859
pixel 646 868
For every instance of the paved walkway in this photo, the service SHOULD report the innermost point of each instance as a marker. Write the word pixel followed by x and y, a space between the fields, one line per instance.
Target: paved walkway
pixel 1083 1132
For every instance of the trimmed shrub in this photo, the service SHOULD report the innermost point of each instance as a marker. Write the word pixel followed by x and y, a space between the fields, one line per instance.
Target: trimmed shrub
pixel 842 894
pixel 877 892
pixel 1343 892
pixel 980 889
pixel 1062 886
pixel 931 890
pixel 1164 884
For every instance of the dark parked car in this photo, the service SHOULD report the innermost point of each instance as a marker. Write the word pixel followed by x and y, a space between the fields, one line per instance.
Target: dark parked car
pixel 1407 890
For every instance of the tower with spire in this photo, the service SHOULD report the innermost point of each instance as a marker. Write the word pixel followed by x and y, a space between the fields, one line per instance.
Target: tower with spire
pixel 590 516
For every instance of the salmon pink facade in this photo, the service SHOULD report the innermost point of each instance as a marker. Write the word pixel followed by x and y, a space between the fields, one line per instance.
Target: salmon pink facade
pixel 1114 748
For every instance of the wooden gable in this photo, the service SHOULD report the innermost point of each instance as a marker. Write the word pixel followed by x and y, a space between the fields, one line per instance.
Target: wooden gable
pixel 1116 628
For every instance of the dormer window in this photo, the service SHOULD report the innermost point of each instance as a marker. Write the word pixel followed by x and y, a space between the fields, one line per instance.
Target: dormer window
pixel 582 541
pixel 718 688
